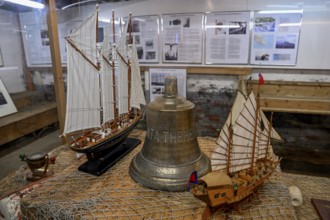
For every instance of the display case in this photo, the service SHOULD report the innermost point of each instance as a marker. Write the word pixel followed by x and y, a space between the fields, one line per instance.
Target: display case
pixel 217 48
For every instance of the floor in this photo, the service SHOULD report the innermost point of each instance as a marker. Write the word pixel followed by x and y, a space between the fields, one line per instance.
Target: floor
pixel 45 141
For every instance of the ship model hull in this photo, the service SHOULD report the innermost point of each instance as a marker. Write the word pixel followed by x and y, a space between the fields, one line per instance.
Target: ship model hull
pixel 243 157
pixel 96 147
pixel 243 186
pixel 106 153
pixel 108 145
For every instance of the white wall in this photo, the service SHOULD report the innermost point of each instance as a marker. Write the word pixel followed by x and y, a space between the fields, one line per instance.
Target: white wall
pixel 313 60
pixel 12 52
pixel 314 43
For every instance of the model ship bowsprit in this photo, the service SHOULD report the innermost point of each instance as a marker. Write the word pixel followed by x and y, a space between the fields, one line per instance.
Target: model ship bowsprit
pixel 243 158
pixel 103 95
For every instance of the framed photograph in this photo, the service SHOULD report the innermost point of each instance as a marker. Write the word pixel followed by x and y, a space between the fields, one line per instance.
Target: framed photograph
pixel 227 37
pixel 145 30
pixel 275 38
pixel 157 81
pixel 1 60
pixel 182 38
pixel 6 104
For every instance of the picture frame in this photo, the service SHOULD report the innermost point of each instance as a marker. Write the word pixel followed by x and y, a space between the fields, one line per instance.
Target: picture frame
pixel 1 60
pixel 275 38
pixel 182 37
pixel 6 104
pixel 157 81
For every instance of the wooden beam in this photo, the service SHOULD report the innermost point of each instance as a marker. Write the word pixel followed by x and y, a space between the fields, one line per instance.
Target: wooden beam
pixel 307 90
pixel 295 97
pixel 56 61
pixel 27 121
pixel 284 104
pixel 295 83
pixel 219 70
pixel 207 70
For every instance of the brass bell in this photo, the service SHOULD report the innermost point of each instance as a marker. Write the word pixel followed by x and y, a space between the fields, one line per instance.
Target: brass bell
pixel 171 151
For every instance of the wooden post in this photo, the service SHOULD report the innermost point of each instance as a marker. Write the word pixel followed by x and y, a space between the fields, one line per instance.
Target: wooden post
pixel 255 129
pixel 29 80
pixel 130 26
pixel 56 61
pixel 242 85
pixel 230 140
pixel 113 66
pixel 129 70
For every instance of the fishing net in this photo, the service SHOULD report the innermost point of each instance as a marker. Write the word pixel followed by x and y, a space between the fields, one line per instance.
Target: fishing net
pixel 71 194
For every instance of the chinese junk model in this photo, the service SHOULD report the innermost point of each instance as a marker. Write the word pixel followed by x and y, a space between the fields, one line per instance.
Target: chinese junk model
pixel 243 157
pixel 104 95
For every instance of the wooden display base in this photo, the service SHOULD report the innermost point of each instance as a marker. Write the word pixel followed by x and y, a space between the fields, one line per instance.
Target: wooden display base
pixel 322 207
pixel 99 166
pixel 38 175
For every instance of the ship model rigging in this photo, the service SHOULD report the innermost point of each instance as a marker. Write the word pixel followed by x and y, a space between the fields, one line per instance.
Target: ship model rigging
pixel 243 158
pixel 104 94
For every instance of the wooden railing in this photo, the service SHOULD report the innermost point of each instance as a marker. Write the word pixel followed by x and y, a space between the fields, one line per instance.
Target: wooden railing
pixel 294 97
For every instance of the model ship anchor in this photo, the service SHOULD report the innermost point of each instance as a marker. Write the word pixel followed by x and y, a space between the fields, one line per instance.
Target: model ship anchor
pixel 104 95
pixel 243 158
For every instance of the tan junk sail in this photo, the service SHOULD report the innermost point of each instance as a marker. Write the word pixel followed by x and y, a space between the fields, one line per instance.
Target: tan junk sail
pixel 274 135
pixel 237 153
pixel 219 156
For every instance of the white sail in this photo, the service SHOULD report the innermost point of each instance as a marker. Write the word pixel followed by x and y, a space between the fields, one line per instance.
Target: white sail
pixel 84 37
pixel 122 74
pixel 137 95
pixel 83 103
pixel 107 80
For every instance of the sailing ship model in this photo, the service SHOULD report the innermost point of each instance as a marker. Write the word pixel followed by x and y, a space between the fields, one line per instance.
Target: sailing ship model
pixel 243 158
pixel 104 89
